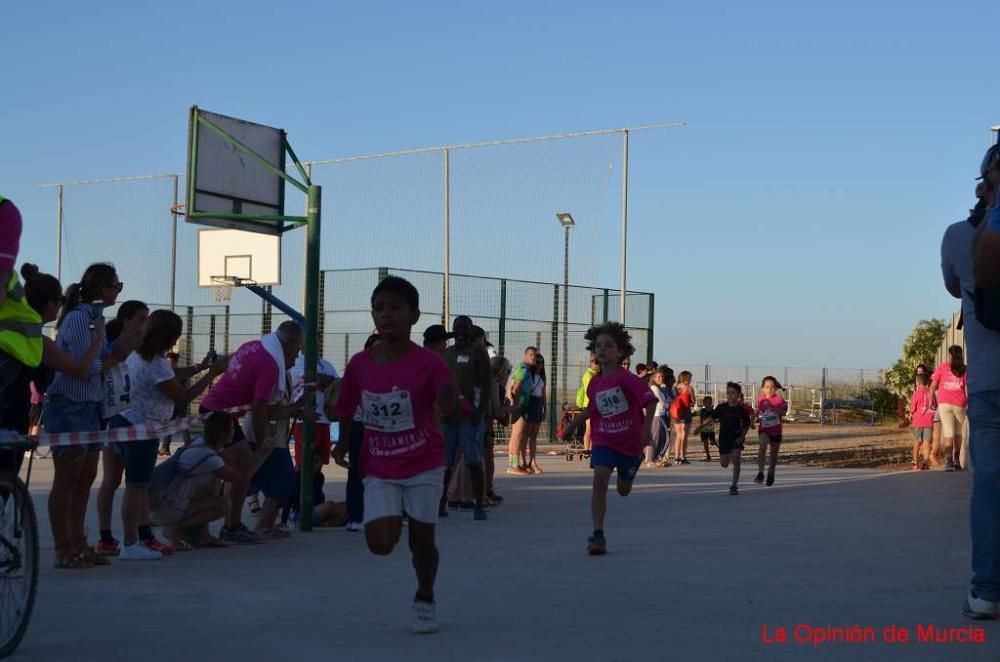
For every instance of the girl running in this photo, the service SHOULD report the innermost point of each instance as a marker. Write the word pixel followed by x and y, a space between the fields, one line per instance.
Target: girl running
pixel 922 421
pixel 621 409
pixel 734 422
pixel 402 388
pixel 681 414
pixel 771 408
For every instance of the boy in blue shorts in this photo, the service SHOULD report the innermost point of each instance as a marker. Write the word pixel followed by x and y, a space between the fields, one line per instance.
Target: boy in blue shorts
pixel 620 410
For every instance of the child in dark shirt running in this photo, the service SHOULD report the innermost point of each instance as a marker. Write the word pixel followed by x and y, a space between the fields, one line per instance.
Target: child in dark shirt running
pixel 734 422
pixel 707 425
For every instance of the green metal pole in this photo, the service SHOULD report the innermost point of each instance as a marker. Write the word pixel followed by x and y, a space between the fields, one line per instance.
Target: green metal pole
pixel 312 345
pixel 649 343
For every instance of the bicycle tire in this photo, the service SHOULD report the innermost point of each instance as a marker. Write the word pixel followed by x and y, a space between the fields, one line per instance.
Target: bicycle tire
pixel 11 484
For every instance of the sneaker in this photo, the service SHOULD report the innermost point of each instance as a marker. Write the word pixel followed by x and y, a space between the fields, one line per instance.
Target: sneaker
pixel 442 512
pixel 467 505
pixel 684 461
pixel 597 546
pixel 479 515
pixel 162 548
pixel 950 466
pixel 241 535
pixel 138 552
pixel 108 547
pixel 760 477
pixel 253 503
pixel 733 490
pixel 958 467
pixel 354 527
pixel 454 504
pixel 770 478
pixel 424 617
pixel 980 610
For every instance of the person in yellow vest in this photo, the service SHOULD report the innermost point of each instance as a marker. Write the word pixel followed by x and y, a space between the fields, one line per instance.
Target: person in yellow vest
pixel 23 347
pixel 582 401
pixel 10 243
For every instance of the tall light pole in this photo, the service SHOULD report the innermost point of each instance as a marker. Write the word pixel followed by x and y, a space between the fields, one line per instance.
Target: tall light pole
pixel 566 220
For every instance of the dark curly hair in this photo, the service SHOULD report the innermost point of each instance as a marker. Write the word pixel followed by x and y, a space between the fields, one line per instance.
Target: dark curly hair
pixel 617 332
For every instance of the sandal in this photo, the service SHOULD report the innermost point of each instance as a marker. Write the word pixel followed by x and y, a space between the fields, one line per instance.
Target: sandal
pixel 73 562
pixel 93 557
pixel 254 504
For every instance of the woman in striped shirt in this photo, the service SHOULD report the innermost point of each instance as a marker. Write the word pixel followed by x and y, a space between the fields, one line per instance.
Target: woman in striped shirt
pixel 73 404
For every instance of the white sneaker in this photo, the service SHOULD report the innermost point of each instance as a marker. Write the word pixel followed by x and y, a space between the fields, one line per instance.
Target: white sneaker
pixel 424 617
pixel 138 552
pixel 980 610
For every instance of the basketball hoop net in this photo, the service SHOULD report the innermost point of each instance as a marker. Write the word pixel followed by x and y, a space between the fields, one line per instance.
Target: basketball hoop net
pixel 222 288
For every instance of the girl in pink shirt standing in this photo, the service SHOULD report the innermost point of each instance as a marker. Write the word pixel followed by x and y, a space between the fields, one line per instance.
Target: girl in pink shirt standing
pixel 401 388
pixel 621 409
pixel 922 422
pixel 771 408
pixel 949 396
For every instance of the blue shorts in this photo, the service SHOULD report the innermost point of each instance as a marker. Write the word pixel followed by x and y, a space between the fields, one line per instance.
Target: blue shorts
pixel 276 477
pixel 627 465
pixel 139 456
pixel 471 436
pixel 61 414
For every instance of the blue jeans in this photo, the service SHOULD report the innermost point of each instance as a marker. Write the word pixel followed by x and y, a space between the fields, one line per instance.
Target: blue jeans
pixel 470 436
pixel 984 448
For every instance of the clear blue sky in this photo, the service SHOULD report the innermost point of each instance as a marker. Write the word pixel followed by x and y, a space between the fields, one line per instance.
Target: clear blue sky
pixel 795 221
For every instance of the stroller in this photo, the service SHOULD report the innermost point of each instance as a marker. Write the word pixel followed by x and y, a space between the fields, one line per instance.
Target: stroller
pixel 574 445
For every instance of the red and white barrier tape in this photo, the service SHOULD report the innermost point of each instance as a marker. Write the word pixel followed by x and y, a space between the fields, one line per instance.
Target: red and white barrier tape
pixel 141 432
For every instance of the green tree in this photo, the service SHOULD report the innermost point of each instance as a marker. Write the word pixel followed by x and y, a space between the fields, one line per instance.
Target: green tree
pixel 919 347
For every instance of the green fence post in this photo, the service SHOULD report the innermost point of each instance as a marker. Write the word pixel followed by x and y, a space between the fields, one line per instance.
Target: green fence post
pixel 225 338
pixel 321 318
pixel 189 345
pixel 553 385
pixel 502 340
pixel 649 344
pixel 312 308
pixel 605 306
pixel 265 314
pixel 211 333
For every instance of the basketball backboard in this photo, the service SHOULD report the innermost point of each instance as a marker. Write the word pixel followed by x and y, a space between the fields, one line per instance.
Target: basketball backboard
pixel 233 253
pixel 224 179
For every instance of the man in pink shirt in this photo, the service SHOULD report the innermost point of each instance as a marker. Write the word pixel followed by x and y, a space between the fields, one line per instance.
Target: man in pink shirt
pixel 256 377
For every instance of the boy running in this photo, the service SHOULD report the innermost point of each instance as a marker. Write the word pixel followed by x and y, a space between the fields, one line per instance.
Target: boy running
pixel 734 422
pixel 621 409
pixel 399 386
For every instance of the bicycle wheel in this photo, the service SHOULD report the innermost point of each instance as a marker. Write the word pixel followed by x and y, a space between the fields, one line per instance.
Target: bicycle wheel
pixel 18 561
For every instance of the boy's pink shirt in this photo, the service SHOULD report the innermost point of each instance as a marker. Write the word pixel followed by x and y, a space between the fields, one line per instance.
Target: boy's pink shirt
pixel 419 447
pixel 623 431
pixel 775 403
pixel 922 416
pixel 951 389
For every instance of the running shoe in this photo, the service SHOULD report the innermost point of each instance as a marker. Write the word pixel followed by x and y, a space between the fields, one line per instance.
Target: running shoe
pixel 950 466
pixel 424 617
pixel 958 467
pixel 480 515
pixel 980 610
pixel 760 477
pixel 770 478
pixel 467 505
pixel 597 545
pixel 685 461
pixel 733 490
pixel 240 535
pixel 442 512
pixel 354 527
pixel 108 547
pixel 138 552
pixel 162 548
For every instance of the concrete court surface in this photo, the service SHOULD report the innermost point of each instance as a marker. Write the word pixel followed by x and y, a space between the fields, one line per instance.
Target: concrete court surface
pixel 692 574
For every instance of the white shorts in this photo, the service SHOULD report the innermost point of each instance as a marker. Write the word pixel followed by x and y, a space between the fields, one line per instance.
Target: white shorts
pixel 952 420
pixel 419 496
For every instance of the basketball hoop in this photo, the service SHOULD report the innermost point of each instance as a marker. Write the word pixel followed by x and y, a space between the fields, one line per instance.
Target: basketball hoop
pixel 222 287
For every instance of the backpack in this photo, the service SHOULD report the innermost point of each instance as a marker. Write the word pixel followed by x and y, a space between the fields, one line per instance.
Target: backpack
pixel 167 475
pixel 985 299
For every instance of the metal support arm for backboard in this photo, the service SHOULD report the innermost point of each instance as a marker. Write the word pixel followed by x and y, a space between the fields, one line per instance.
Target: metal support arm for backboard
pixel 277 303
pixel 265 223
